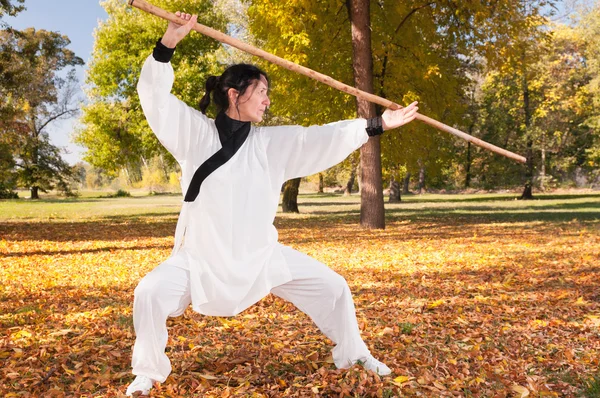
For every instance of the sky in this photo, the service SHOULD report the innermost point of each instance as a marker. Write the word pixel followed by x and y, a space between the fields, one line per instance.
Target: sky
pixel 76 19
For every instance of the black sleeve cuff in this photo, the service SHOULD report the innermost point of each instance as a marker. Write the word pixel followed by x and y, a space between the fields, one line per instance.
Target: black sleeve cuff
pixel 375 126
pixel 162 53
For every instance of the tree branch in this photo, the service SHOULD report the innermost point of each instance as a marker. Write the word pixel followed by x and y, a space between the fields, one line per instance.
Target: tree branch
pixel 410 14
pixel 414 10
pixel 57 116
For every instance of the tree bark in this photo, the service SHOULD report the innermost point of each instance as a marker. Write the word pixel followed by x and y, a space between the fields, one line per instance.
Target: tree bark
pixel 350 183
pixel 527 191
pixel 405 188
pixel 354 170
pixel 289 203
pixel 321 183
pixel 468 167
pixel 394 196
pixel 421 177
pixel 371 205
pixel 164 168
pixel 127 176
pixel 543 166
pixel 35 154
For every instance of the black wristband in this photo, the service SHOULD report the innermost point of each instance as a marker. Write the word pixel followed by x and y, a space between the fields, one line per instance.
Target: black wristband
pixel 162 53
pixel 375 126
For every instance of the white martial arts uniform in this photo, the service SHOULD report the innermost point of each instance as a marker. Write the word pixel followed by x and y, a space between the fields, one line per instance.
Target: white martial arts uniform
pixel 226 255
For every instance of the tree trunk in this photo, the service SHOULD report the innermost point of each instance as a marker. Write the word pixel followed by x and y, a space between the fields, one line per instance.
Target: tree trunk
pixel 406 184
pixel 358 174
pixel 527 191
pixel 354 172
pixel 468 167
pixel 543 168
pixel 350 183
pixel 289 203
pixel 145 163
pixel 321 183
pixel 371 204
pixel 127 176
pixel 35 157
pixel 421 178
pixel 164 168
pixel 394 191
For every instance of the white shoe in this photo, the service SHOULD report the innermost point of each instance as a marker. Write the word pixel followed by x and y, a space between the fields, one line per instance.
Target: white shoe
pixel 141 384
pixel 370 363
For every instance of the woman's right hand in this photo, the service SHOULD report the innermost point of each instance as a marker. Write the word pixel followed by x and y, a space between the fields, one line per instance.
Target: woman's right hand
pixel 175 32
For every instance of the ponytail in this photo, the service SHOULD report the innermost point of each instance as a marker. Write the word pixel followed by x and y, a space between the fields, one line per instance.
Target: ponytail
pixel 211 84
pixel 238 77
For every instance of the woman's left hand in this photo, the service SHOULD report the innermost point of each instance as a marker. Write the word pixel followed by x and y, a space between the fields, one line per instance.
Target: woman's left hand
pixel 392 119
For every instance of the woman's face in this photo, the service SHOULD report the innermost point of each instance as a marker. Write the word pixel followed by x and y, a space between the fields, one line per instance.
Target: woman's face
pixel 251 106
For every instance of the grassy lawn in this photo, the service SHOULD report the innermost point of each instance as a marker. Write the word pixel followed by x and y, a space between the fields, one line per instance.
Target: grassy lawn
pixel 461 295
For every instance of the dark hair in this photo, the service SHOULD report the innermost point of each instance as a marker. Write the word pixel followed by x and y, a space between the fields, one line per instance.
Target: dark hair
pixel 238 76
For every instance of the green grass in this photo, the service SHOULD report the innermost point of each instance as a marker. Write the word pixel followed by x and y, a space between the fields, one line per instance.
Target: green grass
pixel 491 207
pixel 591 387
pixel 88 208
pixel 406 327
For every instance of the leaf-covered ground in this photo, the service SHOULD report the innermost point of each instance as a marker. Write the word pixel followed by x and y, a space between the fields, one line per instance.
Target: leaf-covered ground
pixel 480 296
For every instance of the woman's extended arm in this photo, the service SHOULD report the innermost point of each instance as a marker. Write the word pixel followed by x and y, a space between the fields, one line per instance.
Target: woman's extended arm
pixel 300 151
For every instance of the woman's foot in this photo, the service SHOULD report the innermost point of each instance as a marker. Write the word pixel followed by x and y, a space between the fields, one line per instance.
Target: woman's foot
pixel 370 363
pixel 141 385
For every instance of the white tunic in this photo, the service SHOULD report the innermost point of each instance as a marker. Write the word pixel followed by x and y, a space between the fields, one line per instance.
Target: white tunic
pixel 226 235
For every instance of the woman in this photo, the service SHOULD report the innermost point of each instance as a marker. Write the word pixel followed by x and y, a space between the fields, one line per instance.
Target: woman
pixel 226 255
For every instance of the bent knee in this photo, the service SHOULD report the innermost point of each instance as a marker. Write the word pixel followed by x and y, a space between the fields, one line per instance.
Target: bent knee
pixel 336 285
pixel 149 286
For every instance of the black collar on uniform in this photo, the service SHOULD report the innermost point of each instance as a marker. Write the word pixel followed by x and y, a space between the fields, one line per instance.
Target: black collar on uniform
pixel 228 127
pixel 232 134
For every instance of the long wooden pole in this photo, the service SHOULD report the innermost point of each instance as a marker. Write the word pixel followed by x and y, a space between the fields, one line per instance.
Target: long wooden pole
pixel 223 38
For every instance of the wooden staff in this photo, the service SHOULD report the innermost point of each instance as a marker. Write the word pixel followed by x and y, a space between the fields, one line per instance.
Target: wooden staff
pixel 223 38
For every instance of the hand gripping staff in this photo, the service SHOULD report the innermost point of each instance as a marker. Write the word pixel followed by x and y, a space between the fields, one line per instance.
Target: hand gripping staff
pixel 223 38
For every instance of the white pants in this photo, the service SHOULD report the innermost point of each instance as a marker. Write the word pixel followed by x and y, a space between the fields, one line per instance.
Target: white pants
pixel 315 289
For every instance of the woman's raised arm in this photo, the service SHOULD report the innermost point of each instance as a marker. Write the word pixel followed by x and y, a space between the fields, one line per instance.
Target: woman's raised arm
pixel 177 126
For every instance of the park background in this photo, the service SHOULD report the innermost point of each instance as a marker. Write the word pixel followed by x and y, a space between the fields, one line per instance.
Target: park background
pixel 467 291
pixel 520 75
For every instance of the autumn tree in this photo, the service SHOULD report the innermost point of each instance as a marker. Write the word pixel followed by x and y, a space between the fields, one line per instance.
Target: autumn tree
pixel 563 115
pixel 114 129
pixel 540 108
pixel 34 95
pixel 420 51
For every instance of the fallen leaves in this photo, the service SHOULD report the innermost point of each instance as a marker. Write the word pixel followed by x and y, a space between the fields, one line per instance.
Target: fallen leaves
pixel 521 391
pixel 455 306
